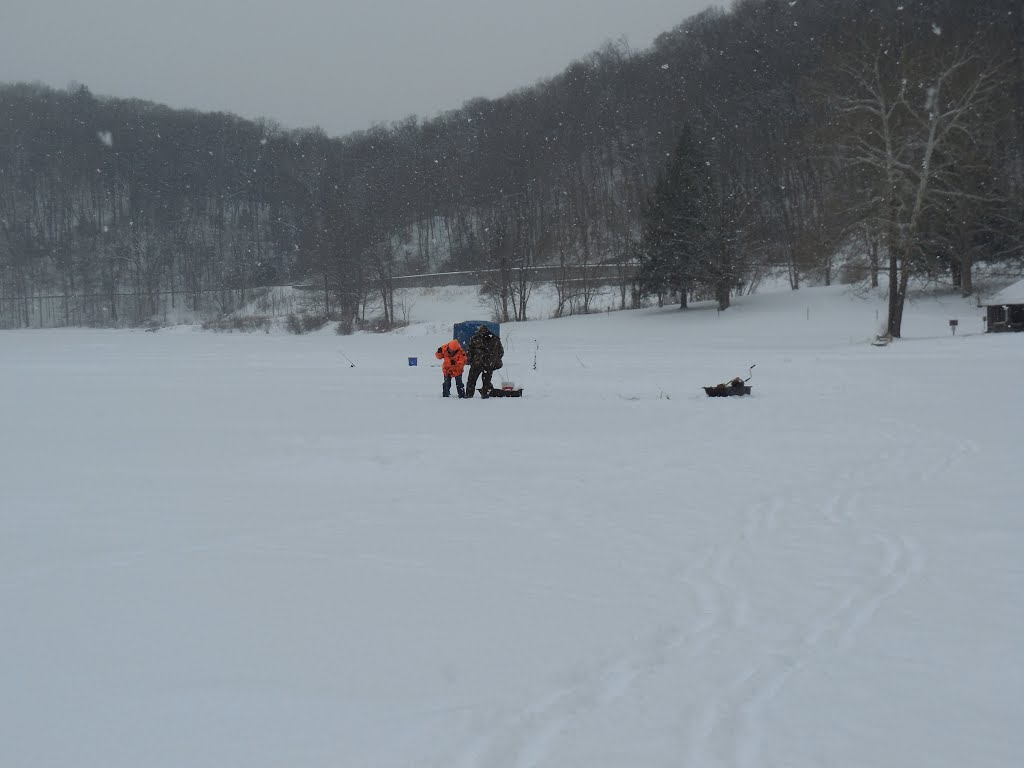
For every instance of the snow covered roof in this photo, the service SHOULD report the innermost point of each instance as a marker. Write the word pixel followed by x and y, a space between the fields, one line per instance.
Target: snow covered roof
pixel 1011 294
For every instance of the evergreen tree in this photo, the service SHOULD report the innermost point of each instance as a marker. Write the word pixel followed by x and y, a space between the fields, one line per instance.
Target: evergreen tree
pixel 674 225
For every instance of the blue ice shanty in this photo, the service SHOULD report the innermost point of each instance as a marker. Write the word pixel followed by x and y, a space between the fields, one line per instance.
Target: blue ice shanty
pixel 464 331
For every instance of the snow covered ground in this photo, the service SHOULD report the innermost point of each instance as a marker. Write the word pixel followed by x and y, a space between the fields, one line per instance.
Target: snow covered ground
pixel 237 550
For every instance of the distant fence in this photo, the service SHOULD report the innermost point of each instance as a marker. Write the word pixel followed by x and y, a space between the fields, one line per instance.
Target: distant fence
pixel 133 310
pixel 121 310
pixel 600 273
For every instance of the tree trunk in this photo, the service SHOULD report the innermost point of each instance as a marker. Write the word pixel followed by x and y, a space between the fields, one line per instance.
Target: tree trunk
pixel 963 263
pixel 895 315
pixel 722 294
pixel 904 280
pixel 897 296
pixel 873 257
pixel 966 276
pixel 897 258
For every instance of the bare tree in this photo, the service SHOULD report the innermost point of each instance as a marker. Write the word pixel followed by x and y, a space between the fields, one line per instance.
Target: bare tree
pixel 909 116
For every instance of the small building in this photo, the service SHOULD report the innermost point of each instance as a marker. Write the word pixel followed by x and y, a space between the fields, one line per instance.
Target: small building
pixel 464 331
pixel 1005 310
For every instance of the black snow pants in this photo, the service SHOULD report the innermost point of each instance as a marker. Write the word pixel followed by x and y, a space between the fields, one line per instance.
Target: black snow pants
pixel 485 388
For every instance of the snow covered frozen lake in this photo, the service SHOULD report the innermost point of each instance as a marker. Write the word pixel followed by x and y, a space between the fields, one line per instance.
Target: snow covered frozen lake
pixel 237 550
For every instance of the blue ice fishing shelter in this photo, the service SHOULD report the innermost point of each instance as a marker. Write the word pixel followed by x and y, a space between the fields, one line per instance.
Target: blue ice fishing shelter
pixel 464 331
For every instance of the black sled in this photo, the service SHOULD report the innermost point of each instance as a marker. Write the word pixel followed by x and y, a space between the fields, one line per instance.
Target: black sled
pixel 735 388
pixel 505 393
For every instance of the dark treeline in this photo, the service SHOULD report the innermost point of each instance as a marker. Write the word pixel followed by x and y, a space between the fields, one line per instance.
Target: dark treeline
pixel 876 137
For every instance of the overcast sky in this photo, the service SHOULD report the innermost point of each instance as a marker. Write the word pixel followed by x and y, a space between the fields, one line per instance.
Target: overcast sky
pixel 339 64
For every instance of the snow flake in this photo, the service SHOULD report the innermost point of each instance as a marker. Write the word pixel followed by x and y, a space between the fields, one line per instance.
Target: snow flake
pixel 106 137
pixel 936 28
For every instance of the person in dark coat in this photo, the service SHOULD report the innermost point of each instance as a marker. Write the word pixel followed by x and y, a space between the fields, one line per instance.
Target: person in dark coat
pixel 485 353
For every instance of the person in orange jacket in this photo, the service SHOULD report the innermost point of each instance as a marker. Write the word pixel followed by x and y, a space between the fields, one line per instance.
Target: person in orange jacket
pixel 454 361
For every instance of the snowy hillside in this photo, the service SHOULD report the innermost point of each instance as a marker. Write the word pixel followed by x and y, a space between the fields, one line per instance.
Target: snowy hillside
pixel 240 550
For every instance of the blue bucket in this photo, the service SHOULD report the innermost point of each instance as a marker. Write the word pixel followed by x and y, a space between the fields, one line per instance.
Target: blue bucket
pixel 412 361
